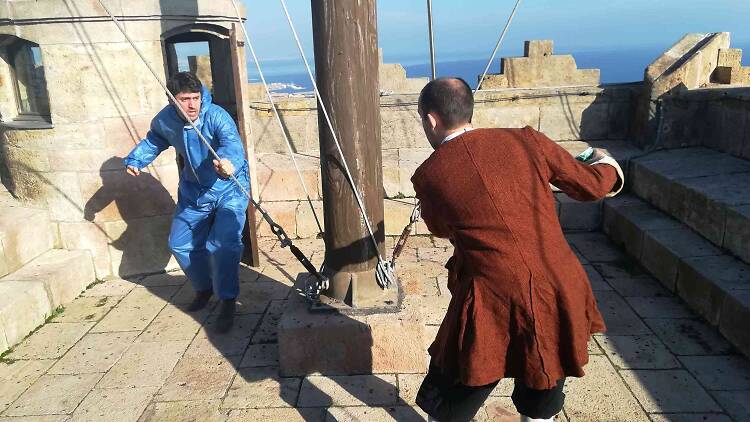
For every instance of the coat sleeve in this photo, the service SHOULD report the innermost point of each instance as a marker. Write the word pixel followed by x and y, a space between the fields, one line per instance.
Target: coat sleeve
pixel 430 215
pixel 580 181
pixel 230 143
pixel 147 150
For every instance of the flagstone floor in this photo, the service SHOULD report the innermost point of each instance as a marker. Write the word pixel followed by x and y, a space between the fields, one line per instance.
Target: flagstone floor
pixel 127 351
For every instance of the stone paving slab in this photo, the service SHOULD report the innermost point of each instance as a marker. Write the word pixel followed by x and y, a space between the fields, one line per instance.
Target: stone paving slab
pixel 618 316
pixel 51 341
pixel 185 411
pixel 277 414
pixel 16 377
pixel 637 352
pixel 638 287
pixel 268 329
pixel 375 414
pixel 144 365
pixel 113 287
pixel 174 323
pixel 689 336
pixel 53 394
pixel 669 391
pixel 502 409
pixel 737 404
pixel 595 279
pixel 199 378
pixel 209 343
pixel 114 405
pixel 601 396
pixel 96 352
pixel 719 372
pixel 259 355
pixel 659 307
pixel 354 390
pixel 690 417
pixel 172 278
pixel 261 387
pixel 594 247
pixel 254 298
pixel 136 310
pixel 49 418
pixel 88 309
pixel 408 385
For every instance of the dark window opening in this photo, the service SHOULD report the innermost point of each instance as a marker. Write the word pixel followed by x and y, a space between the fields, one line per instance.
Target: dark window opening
pixel 30 84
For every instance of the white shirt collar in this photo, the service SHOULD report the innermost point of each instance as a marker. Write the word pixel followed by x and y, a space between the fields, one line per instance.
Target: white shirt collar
pixel 456 134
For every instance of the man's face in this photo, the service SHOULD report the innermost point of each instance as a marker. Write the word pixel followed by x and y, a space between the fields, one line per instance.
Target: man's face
pixel 190 103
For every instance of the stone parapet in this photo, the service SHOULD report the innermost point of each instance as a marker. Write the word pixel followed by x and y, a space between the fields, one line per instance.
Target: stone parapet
pixel 540 68
pixel 564 113
pixel 687 65
pixel 715 117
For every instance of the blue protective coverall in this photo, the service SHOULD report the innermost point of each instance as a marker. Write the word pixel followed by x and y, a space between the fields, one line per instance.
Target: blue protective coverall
pixel 206 234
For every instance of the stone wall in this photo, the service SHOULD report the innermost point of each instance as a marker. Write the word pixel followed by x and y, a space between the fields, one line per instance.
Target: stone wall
pixel 594 113
pixel 540 68
pixel 717 117
pixel 688 64
pixel 102 99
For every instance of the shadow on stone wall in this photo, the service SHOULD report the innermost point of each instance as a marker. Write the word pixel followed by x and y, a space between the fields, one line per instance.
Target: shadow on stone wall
pixel 136 200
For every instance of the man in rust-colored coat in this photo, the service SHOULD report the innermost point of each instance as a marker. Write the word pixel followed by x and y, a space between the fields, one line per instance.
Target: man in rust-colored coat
pixel 521 306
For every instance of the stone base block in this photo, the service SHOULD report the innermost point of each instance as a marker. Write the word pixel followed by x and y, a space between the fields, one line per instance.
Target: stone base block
pixel 331 343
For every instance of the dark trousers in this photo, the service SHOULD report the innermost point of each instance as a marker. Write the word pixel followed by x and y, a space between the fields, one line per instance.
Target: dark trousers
pixel 449 401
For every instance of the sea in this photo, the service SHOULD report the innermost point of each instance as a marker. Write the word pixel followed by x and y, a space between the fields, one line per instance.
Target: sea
pixel 288 76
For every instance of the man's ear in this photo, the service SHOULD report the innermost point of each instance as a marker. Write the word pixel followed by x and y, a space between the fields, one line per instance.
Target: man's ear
pixel 433 120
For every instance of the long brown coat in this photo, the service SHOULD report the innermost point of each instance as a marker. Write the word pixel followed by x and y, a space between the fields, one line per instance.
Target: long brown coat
pixel 521 305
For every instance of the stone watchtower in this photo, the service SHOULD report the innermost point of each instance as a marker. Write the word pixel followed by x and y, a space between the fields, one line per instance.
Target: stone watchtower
pixel 75 98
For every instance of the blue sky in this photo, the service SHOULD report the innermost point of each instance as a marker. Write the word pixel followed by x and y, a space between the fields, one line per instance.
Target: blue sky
pixel 469 29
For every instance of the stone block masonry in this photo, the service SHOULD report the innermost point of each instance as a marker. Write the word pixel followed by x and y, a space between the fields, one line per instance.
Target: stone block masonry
pixel 540 68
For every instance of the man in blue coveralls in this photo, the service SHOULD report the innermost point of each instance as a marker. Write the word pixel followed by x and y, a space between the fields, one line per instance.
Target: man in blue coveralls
pixel 206 234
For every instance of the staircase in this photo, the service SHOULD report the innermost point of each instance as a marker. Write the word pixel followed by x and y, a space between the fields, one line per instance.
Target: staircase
pixel 35 278
pixel 687 221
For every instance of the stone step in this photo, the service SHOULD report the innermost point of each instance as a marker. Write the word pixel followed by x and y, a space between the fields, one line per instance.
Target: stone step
pixel 31 294
pixel 25 233
pixel 715 284
pixel 709 191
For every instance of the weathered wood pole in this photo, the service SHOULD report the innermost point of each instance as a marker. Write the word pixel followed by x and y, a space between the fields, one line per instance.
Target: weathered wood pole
pixel 346 64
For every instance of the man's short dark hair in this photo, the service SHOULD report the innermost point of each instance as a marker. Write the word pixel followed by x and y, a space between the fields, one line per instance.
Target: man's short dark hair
pixel 184 82
pixel 450 98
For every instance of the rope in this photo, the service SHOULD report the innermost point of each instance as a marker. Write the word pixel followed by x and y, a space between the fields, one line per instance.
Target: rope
pixel 497 46
pixel 384 272
pixel 275 228
pixel 276 114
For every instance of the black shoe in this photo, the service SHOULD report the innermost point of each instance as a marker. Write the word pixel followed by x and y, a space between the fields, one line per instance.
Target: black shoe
pixel 225 320
pixel 200 300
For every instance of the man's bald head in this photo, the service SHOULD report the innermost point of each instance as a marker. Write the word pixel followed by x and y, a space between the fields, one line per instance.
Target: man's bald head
pixel 450 98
